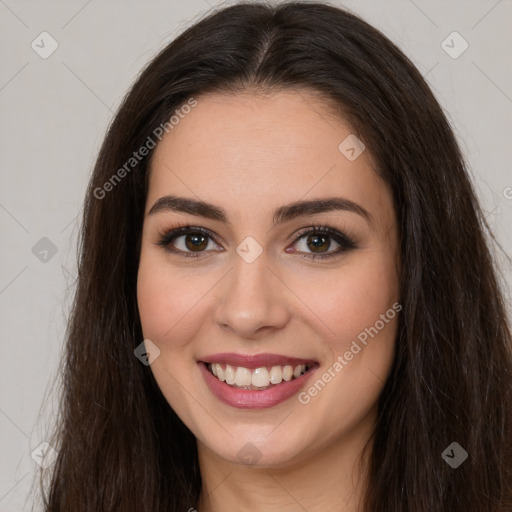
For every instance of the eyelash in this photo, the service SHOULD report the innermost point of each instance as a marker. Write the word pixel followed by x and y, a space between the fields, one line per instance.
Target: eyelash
pixel 166 237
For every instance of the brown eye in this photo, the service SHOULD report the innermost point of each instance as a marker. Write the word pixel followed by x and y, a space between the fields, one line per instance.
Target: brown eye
pixel 187 241
pixel 318 243
pixel 196 242
pixel 313 243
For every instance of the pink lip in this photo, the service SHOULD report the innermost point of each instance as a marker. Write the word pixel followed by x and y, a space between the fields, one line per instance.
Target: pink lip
pixel 254 399
pixel 255 361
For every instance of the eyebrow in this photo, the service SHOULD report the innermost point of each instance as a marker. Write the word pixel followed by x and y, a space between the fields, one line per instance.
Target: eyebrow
pixel 281 214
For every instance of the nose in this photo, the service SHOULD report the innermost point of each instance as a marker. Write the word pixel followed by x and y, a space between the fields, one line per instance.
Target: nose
pixel 253 301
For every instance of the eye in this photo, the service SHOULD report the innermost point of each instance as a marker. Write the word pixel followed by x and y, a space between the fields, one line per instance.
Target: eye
pixel 319 240
pixel 194 242
pixel 186 240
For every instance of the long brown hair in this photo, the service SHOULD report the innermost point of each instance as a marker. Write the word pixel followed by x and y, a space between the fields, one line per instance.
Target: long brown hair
pixel 120 445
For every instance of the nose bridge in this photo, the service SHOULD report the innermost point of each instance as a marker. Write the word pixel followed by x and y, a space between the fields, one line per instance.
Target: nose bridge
pixel 251 298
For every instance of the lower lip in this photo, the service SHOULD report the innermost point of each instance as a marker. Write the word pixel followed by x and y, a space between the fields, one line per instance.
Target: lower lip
pixel 254 399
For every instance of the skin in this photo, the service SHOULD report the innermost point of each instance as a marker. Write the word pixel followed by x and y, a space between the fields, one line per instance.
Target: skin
pixel 250 153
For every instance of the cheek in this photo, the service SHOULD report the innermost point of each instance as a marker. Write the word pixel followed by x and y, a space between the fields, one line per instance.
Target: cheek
pixel 361 309
pixel 155 301
pixel 166 307
pixel 166 300
pixel 354 301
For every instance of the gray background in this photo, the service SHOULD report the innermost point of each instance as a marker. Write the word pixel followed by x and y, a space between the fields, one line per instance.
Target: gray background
pixel 54 113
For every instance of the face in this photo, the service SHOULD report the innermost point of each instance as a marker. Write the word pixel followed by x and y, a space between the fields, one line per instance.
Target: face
pixel 267 279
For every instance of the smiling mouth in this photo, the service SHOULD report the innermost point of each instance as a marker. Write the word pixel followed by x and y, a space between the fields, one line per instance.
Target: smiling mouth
pixel 257 378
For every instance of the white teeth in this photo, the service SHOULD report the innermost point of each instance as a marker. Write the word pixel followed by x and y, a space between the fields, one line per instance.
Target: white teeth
pixel 243 377
pixel 258 377
pixel 220 372
pixel 229 374
pixel 298 371
pixel 276 375
pixel 287 372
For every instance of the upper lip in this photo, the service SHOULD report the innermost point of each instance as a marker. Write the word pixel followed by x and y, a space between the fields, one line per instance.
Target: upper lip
pixel 255 361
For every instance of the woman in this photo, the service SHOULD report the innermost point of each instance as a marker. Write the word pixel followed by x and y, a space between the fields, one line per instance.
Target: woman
pixel 285 297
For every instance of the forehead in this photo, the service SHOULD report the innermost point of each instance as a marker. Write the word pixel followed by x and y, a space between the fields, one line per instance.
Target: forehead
pixel 249 151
